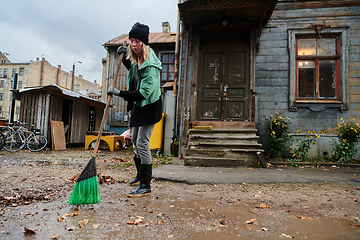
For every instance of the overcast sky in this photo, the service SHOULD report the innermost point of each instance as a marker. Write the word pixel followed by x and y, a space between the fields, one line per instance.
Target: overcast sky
pixel 69 31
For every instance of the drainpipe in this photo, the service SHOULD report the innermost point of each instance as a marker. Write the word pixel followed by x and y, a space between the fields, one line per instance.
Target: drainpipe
pixel 176 74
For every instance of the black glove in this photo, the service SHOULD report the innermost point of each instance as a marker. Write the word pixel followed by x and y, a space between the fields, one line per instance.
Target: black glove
pixel 113 91
pixel 121 50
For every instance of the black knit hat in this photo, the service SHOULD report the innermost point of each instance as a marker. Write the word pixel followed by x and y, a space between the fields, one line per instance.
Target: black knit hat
pixel 141 32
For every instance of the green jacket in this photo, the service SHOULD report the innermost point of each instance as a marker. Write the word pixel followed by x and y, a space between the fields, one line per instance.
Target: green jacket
pixel 149 80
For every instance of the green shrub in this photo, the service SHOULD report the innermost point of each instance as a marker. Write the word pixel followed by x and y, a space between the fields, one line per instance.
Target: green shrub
pixel 277 137
pixel 348 135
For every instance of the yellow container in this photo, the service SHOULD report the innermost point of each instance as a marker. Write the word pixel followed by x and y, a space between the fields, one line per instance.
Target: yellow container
pixel 157 136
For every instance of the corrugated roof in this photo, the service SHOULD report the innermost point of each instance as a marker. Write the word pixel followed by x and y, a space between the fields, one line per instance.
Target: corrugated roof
pixel 154 38
pixel 65 92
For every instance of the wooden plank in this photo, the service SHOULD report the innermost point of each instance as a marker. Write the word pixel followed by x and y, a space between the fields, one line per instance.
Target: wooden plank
pixel 224 125
pixel 262 159
pixel 57 135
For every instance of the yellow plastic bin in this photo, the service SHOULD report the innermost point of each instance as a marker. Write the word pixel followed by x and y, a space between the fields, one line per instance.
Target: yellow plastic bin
pixel 157 136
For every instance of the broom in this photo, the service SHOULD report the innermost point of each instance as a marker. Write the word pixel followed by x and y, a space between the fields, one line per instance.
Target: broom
pixel 86 189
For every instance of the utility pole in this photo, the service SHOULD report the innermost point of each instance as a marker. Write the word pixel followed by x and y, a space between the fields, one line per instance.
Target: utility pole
pixel 12 106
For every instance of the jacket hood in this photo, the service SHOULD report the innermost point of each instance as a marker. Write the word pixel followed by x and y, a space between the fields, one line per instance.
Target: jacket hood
pixel 151 61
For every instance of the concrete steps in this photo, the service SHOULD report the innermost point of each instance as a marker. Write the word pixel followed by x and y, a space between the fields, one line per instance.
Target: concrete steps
pixel 222 148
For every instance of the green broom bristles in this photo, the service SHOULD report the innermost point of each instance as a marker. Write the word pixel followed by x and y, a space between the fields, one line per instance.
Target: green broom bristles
pixel 86 189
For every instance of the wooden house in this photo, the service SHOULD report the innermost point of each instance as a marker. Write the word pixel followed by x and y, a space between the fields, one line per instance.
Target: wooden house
pixel 79 113
pixel 241 61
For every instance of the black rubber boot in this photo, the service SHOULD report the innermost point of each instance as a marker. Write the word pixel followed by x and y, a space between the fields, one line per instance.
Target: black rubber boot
pixel 136 180
pixel 144 188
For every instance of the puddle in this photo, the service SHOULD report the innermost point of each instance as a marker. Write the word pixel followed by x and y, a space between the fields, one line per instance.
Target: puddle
pixel 165 215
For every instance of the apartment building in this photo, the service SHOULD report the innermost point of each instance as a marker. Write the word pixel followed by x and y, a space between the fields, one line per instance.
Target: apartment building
pixel 35 73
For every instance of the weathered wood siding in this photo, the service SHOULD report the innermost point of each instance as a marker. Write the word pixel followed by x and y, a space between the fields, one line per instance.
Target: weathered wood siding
pixel 272 64
pixel 79 122
pixel 34 110
pixel 119 109
pixel 41 108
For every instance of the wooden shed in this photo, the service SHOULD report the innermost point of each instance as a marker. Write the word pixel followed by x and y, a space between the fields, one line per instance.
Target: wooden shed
pixel 79 113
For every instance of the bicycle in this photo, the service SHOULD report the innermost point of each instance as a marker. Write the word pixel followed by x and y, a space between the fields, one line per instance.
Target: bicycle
pixel 13 140
pixel 2 136
pixel 34 140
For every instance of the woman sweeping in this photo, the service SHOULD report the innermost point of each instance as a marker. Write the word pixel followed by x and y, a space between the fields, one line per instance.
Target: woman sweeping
pixel 144 102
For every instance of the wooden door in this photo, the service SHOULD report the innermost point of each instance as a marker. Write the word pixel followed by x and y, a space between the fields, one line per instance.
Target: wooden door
pixel 223 93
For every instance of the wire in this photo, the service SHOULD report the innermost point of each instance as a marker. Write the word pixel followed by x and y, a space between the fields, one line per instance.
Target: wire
pixel 74 17
pixel 175 5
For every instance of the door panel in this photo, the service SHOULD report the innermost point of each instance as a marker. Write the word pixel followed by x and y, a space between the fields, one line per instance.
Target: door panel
pixel 236 84
pixel 209 85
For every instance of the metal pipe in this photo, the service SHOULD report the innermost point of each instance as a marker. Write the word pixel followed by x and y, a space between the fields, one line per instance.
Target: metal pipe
pixel 176 75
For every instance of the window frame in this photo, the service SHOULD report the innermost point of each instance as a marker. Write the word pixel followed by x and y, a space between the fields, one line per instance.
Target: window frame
pixel 342 95
pixel 168 64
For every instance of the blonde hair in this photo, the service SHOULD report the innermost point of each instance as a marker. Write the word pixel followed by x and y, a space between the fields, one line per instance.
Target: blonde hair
pixel 133 56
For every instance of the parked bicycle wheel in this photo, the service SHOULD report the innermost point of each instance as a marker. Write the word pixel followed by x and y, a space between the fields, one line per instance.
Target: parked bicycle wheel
pixel 36 143
pixel 14 141
pixel 2 140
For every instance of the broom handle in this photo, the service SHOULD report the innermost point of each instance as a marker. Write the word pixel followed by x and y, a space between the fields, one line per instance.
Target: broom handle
pixel 96 148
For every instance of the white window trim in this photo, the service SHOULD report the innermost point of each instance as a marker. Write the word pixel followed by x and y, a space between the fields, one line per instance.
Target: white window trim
pixel 344 59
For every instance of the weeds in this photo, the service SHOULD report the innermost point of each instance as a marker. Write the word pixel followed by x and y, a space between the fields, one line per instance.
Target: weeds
pixel 304 145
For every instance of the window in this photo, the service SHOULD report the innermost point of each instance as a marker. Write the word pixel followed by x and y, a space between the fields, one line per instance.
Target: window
pixel 318 68
pixel 318 65
pixel 1 96
pixel 168 61
pixel 0 109
pixel 20 85
pixel 14 71
pixel 21 71
pixel 5 72
pixel 0 72
pixel 2 84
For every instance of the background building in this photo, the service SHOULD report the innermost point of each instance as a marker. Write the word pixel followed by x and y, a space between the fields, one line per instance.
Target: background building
pixel 33 74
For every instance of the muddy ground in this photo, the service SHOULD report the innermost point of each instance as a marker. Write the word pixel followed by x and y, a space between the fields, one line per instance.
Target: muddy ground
pixel 35 187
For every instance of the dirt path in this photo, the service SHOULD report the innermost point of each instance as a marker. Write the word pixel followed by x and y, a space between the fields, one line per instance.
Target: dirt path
pixel 35 187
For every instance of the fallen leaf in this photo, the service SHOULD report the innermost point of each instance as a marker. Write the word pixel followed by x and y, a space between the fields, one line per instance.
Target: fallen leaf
pixel 56 236
pixel 70 228
pixel 95 226
pixel 59 218
pixel 131 222
pixel 251 221
pixel 247 227
pixel 265 229
pixel 86 221
pixel 284 235
pixel 160 222
pixel 29 231
pixel 305 218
